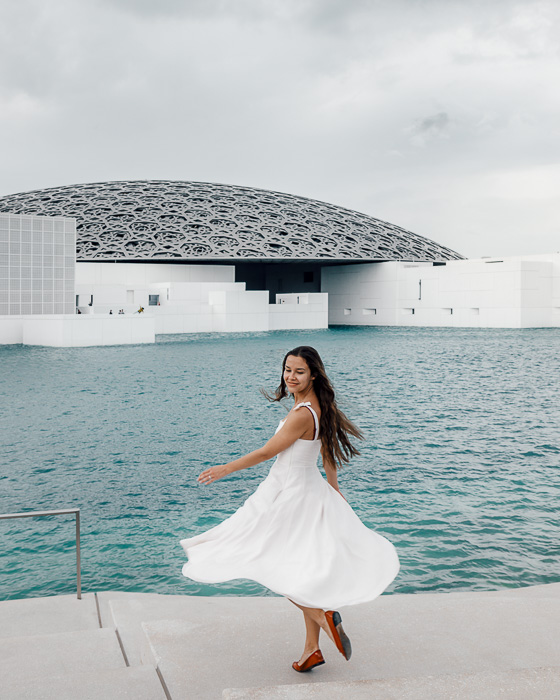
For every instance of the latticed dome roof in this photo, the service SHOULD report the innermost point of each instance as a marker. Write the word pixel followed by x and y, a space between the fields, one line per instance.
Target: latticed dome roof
pixel 199 221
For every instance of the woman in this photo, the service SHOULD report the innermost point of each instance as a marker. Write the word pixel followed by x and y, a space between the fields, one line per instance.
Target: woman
pixel 296 534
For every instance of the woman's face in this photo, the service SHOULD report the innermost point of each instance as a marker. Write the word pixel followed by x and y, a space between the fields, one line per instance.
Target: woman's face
pixel 297 374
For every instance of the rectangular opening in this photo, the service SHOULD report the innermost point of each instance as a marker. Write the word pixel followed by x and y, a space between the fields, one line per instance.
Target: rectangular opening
pixel 475 311
pixel 407 311
pixel 347 312
pixel 369 312
pixel 448 311
pixel 130 296
pixel 153 300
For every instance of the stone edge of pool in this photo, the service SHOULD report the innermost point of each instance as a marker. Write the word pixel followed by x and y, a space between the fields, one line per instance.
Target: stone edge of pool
pixel 143 645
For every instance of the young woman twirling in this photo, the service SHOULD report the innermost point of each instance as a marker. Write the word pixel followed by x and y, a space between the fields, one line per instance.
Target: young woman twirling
pixel 296 534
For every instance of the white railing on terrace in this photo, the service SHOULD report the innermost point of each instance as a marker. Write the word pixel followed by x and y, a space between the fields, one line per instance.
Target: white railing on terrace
pixel 42 513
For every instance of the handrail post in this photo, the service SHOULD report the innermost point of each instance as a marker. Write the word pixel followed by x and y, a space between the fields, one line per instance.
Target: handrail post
pixel 78 557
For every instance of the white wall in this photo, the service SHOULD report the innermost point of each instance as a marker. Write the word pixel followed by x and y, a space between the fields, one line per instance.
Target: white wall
pixel 520 292
pixel 112 285
pixel 83 331
pixel 299 311
pixel 146 273
pixel 11 330
pixel 239 311
pixel 194 298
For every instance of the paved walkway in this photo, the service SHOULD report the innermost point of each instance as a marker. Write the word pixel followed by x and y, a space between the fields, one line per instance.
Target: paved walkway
pixel 111 645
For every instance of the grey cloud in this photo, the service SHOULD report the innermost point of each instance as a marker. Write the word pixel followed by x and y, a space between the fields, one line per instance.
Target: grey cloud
pixel 428 128
pixel 434 124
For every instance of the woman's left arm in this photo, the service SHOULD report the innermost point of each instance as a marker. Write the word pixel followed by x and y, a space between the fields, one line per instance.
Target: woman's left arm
pixel 331 473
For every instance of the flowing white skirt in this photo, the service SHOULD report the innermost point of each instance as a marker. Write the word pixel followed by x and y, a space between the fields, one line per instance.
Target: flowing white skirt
pixel 299 538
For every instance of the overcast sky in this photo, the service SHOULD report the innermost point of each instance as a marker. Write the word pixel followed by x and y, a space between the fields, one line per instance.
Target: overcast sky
pixel 441 116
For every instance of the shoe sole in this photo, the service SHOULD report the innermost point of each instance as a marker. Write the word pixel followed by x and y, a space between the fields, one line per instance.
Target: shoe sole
pixel 342 642
pixel 306 670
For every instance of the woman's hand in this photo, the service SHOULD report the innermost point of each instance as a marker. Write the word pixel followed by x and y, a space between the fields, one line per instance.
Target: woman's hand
pixel 343 496
pixel 213 474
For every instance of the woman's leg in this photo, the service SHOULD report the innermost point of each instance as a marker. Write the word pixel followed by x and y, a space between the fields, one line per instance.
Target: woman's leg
pixel 315 621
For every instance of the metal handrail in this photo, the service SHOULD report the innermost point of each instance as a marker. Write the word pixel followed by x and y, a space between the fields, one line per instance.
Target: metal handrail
pixel 67 511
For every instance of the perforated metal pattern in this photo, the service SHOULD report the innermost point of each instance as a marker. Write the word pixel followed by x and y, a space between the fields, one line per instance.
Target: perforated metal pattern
pixel 157 219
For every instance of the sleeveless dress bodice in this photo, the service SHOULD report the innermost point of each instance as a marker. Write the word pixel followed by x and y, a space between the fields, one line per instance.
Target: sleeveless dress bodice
pixel 297 536
pixel 298 463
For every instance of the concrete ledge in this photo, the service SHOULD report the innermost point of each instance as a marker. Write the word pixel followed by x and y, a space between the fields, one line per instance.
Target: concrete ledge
pixel 527 684
pixel 398 636
pixel 65 653
pixel 442 645
pixel 112 684
pixel 32 616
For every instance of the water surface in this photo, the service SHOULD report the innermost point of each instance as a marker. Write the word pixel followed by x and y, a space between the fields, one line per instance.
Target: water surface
pixel 459 469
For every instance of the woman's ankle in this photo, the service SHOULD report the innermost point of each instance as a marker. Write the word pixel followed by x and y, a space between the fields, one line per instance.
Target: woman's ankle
pixel 308 650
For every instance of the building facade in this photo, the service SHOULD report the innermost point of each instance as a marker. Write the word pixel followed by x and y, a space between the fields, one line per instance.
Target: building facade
pixel 515 292
pixel 160 257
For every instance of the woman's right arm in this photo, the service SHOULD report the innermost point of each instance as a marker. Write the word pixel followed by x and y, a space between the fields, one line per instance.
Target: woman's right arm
pixel 295 426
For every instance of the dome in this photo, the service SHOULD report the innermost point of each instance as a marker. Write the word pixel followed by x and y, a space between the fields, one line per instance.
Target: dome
pixel 162 220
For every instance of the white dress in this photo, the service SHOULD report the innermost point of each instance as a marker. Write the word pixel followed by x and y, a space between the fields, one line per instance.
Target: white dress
pixel 297 536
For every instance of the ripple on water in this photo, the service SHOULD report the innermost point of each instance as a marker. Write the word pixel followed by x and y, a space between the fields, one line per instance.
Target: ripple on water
pixel 460 467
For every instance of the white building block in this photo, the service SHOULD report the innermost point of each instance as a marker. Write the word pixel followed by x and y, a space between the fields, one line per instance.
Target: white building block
pixel 88 330
pixel 11 330
pixel 516 292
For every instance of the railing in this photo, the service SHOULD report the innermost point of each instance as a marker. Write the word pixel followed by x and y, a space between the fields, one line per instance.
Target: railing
pixel 68 511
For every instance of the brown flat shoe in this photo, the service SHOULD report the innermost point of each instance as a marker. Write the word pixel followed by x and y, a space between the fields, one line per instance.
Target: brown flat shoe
pixel 316 659
pixel 342 642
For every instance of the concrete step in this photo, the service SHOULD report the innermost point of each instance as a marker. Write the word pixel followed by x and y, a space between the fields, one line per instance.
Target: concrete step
pixel 129 611
pixel 520 684
pixel 64 653
pixel 207 645
pixel 109 684
pixel 202 645
pixel 49 615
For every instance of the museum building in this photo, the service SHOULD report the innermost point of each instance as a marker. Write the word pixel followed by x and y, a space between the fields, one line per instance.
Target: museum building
pixel 120 262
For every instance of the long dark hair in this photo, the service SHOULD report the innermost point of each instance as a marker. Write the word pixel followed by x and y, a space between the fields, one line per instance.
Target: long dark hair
pixel 334 426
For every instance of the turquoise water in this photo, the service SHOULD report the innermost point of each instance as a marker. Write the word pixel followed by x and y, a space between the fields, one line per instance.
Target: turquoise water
pixel 460 467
